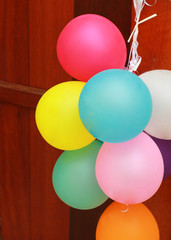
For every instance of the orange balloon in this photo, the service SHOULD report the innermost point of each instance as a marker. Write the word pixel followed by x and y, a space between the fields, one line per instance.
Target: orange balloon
pixel 137 223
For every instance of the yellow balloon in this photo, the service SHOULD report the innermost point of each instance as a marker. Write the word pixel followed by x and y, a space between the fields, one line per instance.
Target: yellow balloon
pixel 57 117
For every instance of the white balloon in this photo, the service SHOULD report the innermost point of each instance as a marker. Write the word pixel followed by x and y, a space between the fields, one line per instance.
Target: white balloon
pixel 159 85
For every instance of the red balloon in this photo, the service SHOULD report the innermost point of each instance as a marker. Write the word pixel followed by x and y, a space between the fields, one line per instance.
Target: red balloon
pixel 90 44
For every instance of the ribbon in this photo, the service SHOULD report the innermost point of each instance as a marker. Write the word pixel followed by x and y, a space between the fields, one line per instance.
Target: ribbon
pixel 134 59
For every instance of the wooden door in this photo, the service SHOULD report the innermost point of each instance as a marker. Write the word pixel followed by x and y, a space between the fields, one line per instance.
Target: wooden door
pixel 29 208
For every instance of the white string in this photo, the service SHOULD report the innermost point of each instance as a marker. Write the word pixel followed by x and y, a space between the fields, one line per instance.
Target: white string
pixel 126 210
pixel 144 20
pixel 134 59
pixel 150 5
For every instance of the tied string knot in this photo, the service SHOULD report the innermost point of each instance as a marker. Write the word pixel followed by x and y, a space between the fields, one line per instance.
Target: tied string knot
pixel 134 59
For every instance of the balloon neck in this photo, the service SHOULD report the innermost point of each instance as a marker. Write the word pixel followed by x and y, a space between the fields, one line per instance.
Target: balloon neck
pixel 126 208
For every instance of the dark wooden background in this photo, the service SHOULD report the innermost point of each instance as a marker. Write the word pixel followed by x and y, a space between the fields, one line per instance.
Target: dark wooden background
pixel 29 208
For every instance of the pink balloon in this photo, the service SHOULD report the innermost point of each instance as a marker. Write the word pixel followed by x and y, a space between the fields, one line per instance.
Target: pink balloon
pixel 130 172
pixel 90 44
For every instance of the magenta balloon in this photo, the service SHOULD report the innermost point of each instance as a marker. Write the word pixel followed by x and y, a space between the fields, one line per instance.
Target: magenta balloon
pixel 130 172
pixel 90 44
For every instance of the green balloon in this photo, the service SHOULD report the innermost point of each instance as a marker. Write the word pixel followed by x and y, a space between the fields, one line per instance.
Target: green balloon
pixel 74 178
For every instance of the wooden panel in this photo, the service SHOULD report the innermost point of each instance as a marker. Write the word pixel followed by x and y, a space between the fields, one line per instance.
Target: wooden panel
pixel 49 216
pixel 47 19
pixel 160 206
pixel 29 207
pixel 154 37
pixel 14 172
pixel 19 94
pixel 14 41
pixel 14 123
pixel 83 223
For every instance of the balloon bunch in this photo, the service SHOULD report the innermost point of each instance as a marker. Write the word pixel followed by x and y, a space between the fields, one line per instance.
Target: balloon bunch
pixel 99 122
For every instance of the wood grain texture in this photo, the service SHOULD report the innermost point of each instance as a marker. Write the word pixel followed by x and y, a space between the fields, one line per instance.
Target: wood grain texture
pixel 160 206
pixel 155 37
pixel 20 94
pixel 14 172
pixel 14 41
pixel 49 215
pixel 47 19
pixel 14 123
pixel 29 208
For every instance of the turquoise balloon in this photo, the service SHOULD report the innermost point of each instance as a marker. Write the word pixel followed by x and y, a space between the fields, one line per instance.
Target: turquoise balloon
pixel 74 178
pixel 115 106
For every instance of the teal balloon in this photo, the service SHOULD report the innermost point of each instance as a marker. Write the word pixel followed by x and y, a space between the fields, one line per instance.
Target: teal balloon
pixel 115 106
pixel 74 179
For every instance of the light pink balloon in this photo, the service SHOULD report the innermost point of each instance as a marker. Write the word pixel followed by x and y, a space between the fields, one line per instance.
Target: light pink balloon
pixel 130 172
